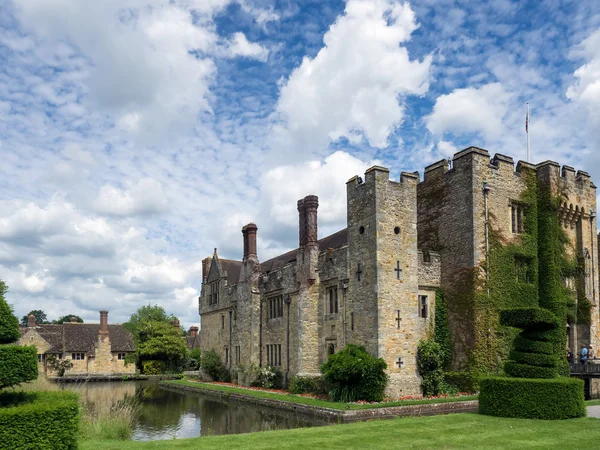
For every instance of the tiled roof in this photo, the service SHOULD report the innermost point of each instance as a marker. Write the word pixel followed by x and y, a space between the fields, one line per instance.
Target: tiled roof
pixel 332 241
pixel 82 337
pixel 233 269
pixel 193 342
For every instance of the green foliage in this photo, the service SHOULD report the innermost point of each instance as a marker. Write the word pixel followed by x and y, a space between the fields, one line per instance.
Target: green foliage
pixel 40 317
pixel 194 360
pixel 67 318
pixel 462 381
pixel 60 366
pixel 537 318
pixel 17 365
pixel 156 339
pixel 519 370
pixel 553 399
pixel 213 366
pixel 154 367
pixel 526 344
pixel 442 328
pixel 38 420
pixel 307 385
pixel 430 359
pixel 354 374
pixel 269 377
pixel 9 324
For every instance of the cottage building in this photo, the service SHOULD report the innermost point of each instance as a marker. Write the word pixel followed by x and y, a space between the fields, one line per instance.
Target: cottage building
pixel 94 349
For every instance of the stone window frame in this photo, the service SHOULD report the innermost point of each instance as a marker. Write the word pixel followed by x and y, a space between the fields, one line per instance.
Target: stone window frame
pixel 273 355
pixel 332 303
pixel 523 268
pixel 222 321
pixel 275 307
pixel 517 216
pixel 213 292
pixel 423 306
pixel 121 356
pixel 238 354
pixel 41 358
pixel 78 356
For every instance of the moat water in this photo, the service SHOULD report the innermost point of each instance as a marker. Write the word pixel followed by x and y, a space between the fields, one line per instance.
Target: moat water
pixel 168 414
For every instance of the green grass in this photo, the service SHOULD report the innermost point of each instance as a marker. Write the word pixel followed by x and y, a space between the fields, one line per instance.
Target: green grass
pixel 454 431
pixel 592 402
pixel 311 401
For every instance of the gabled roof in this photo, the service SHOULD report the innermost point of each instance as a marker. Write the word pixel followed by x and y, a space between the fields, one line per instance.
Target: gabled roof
pixel 332 241
pixel 82 337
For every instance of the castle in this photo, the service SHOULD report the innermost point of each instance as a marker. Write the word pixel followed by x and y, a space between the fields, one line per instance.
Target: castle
pixel 374 283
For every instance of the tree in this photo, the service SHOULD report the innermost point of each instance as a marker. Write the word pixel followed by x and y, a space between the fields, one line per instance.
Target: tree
pixel 67 318
pixel 157 339
pixel 40 317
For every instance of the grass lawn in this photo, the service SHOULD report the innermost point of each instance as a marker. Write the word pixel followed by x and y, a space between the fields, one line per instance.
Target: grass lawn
pixel 310 401
pixel 452 431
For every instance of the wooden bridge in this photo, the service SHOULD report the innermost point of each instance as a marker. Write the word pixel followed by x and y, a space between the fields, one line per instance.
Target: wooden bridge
pixel 589 370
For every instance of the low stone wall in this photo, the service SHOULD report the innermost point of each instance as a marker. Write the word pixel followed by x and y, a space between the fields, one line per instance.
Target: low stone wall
pixel 330 415
pixel 111 377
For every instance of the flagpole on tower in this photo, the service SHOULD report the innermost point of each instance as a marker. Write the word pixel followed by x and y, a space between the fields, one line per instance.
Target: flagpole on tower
pixel 527 130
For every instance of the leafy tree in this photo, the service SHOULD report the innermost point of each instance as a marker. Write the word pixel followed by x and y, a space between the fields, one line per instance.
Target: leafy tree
pixel 9 324
pixel 40 317
pixel 67 318
pixel 156 339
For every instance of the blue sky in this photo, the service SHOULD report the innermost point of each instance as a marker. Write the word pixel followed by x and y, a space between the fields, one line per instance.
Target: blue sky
pixel 137 135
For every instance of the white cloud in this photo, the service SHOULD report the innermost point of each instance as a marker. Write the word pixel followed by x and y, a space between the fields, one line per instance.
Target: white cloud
pixel 261 16
pixel 477 110
pixel 145 197
pixel 240 46
pixel 355 83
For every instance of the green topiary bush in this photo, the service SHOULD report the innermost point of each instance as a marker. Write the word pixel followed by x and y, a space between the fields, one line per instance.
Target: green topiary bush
pixel 17 365
pixel 550 399
pixel 38 420
pixel 213 366
pixel 354 374
pixel 307 385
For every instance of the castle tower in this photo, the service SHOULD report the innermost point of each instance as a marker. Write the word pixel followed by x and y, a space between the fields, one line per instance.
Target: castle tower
pixel 383 291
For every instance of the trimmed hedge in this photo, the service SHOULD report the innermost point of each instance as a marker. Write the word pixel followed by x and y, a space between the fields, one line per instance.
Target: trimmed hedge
pixel 524 344
pixel 529 317
pixel 514 369
pixel 17 365
pixel 533 359
pixel 39 420
pixel 554 399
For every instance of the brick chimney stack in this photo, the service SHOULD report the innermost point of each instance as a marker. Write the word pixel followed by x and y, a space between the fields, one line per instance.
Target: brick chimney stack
pixel 73 319
pixel 249 232
pixel 31 321
pixel 301 223
pixel 193 331
pixel 175 323
pixel 311 204
pixel 103 322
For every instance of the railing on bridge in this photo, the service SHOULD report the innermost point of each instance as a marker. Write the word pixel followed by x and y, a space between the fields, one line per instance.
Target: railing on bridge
pixel 590 369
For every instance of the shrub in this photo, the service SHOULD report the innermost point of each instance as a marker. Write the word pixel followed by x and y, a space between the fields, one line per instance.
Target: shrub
pixel 550 399
pixel 211 364
pixel 430 360
pixel 307 385
pixel 354 374
pixel 38 420
pixel 60 366
pixel 269 377
pixel 154 367
pixel 17 364
pixel 462 381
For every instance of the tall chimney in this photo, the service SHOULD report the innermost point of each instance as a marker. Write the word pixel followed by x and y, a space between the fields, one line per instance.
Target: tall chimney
pixel 311 203
pixel 31 321
pixel 302 223
pixel 73 319
pixel 251 230
pixel 245 237
pixel 175 323
pixel 103 322
pixel 193 331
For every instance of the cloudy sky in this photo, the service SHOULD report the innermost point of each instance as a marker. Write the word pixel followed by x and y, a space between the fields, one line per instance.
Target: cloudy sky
pixel 136 135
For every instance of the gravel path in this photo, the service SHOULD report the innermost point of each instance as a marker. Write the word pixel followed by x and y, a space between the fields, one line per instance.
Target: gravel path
pixel 593 411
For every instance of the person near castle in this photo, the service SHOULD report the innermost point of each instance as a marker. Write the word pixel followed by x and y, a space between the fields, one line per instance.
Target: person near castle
pixel 570 356
pixel 590 354
pixel 583 354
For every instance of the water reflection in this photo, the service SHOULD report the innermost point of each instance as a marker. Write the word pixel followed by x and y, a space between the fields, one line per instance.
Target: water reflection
pixel 168 414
